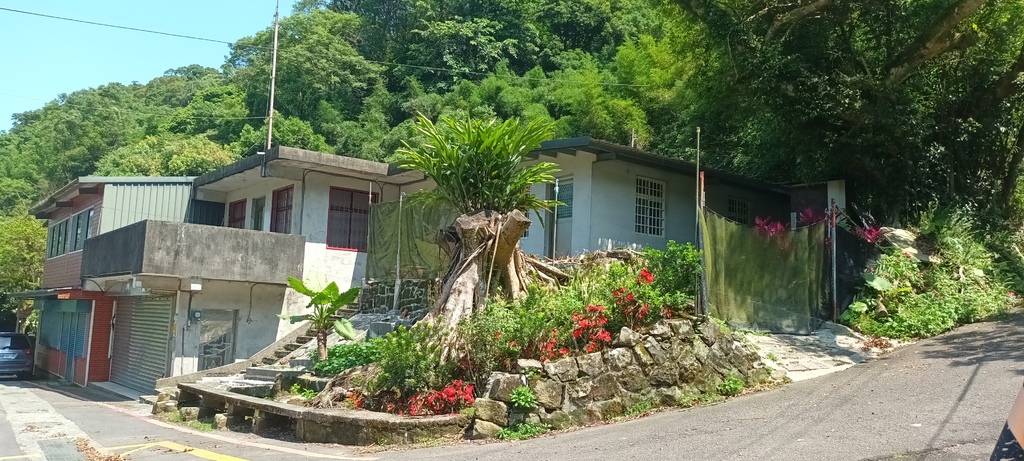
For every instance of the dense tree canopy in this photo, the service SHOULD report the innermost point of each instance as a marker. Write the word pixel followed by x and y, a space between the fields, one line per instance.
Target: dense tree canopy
pixel 915 103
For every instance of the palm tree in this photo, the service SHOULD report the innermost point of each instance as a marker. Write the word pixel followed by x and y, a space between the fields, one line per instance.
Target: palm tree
pixel 477 168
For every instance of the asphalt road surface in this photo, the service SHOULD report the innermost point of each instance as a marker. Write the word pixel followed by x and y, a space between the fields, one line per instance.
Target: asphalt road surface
pixel 941 399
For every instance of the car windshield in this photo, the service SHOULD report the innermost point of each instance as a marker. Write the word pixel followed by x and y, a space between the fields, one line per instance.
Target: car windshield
pixel 14 342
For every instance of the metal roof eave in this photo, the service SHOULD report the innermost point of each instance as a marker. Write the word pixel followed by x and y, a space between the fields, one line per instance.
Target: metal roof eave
pixel 72 189
pixel 316 161
pixel 611 151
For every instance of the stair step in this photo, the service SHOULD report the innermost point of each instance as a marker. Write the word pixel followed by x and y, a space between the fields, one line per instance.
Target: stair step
pixel 291 346
pixel 303 339
pixel 281 354
pixel 269 361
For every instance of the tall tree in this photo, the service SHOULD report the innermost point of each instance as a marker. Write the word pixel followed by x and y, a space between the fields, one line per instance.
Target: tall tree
pixel 477 170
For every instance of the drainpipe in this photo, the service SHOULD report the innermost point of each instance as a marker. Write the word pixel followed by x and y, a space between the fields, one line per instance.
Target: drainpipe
pixel 302 205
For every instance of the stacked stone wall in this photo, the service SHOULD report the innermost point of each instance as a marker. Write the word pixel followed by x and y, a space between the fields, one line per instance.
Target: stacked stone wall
pixel 672 361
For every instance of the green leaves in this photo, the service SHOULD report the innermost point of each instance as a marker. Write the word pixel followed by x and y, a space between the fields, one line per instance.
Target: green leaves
pixel 476 164
pixel 881 284
pixel 345 329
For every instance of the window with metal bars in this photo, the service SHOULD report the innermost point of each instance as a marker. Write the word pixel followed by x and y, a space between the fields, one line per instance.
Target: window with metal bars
pixel 738 210
pixel 650 207
pixel 565 196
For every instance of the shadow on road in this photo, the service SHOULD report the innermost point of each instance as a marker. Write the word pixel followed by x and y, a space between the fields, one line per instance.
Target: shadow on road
pixel 74 391
pixel 1002 340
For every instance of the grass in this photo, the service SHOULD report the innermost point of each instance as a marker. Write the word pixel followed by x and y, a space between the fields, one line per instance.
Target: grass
pixel 523 431
pixel 205 425
pixel 696 400
pixel 643 406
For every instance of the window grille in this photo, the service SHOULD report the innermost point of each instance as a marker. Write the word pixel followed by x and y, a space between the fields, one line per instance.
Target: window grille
pixel 650 207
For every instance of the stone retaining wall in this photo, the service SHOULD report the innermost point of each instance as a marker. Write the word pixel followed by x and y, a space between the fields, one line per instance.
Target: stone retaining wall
pixel 415 299
pixel 673 360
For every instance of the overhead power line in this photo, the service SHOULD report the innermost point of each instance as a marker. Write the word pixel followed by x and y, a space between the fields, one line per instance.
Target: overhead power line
pixel 286 51
pixel 115 26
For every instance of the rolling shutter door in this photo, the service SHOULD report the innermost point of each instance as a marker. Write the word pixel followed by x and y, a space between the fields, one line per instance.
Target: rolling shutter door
pixel 141 341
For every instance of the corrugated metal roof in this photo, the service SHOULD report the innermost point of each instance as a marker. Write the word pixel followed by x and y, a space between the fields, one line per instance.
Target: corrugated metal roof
pixel 71 189
pixel 127 203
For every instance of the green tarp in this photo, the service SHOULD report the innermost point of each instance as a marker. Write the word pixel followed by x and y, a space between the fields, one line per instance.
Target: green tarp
pixel 414 232
pixel 761 281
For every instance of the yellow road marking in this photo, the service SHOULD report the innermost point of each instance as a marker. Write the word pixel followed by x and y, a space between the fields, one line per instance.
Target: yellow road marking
pixel 212 456
pixel 198 452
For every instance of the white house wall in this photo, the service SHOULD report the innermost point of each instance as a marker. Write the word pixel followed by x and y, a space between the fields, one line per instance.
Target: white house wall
pixel 613 215
pixel 577 168
pixel 256 328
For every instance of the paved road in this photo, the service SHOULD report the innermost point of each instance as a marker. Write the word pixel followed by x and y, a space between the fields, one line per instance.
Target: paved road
pixel 43 420
pixel 942 399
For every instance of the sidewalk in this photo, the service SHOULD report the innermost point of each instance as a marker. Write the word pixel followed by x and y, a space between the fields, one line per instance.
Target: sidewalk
pixel 831 348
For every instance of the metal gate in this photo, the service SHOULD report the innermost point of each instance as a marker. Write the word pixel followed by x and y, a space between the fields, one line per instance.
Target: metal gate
pixel 142 335
pixel 64 330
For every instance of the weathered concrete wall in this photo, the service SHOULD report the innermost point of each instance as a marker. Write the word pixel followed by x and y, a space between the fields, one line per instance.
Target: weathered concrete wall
pixel 674 360
pixel 185 250
pixel 254 308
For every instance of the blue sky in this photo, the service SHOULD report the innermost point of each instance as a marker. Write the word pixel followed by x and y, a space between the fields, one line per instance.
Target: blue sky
pixel 45 57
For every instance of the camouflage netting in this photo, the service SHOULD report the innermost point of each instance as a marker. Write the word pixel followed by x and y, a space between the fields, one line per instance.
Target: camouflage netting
pixel 765 282
pixel 415 233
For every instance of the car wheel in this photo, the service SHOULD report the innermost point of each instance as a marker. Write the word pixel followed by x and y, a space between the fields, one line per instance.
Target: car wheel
pixel 26 375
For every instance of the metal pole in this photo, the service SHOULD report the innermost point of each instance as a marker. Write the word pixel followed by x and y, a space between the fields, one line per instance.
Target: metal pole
pixel 697 198
pixel 273 76
pixel 835 296
pixel 554 225
pixel 398 254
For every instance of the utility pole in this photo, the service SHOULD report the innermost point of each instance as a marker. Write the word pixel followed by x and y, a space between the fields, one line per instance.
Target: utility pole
pixel 273 76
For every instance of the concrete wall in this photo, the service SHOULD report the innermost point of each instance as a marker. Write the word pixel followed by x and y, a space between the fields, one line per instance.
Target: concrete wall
pixel 579 169
pixel 185 250
pixel 614 207
pixel 255 328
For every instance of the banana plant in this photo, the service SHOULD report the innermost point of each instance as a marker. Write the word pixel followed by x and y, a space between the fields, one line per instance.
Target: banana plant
pixel 325 304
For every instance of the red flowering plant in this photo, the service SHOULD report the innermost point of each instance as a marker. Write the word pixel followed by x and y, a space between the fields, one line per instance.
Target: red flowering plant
pixel 768 226
pixel 809 216
pixel 870 234
pixel 639 302
pixel 590 328
pixel 450 399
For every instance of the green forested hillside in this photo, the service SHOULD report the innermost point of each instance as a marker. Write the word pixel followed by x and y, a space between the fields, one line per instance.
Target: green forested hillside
pixel 915 103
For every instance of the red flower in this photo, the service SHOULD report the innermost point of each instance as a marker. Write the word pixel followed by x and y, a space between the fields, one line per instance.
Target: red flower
pixel 497 334
pixel 645 276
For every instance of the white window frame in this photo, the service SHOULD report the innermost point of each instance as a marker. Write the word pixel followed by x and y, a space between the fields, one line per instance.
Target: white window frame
pixel 649 210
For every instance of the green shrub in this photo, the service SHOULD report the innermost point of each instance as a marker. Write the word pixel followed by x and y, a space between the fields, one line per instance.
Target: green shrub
pixel 732 385
pixel 967 284
pixel 523 431
pixel 676 269
pixel 523 397
pixel 343 356
pixel 642 406
pixel 409 361
pixel 300 391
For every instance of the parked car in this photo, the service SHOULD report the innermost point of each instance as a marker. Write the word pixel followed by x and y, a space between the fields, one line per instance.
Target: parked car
pixel 17 355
